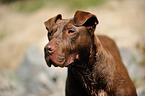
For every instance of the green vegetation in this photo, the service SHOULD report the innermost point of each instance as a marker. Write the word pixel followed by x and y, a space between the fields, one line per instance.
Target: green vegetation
pixel 33 5
pixel 83 3
pixel 7 1
pixel 30 5
pixel 3 34
pixel 134 58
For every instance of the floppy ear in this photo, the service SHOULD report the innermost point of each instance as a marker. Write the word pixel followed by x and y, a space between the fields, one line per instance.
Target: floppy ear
pixel 49 23
pixel 86 19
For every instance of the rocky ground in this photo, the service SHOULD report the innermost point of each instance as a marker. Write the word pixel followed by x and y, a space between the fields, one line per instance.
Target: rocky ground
pixel 23 71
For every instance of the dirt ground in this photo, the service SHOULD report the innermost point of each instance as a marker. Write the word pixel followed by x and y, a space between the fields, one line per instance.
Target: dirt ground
pixel 122 20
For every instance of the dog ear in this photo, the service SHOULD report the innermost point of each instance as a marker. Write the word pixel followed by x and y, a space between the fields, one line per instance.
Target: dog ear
pixel 87 19
pixel 49 23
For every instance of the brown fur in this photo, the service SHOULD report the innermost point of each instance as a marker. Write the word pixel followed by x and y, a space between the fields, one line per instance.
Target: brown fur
pixel 94 63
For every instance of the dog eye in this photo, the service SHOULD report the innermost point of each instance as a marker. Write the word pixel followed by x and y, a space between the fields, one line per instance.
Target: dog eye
pixel 71 31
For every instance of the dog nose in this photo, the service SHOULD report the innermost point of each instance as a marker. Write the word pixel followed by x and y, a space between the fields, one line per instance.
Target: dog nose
pixel 49 49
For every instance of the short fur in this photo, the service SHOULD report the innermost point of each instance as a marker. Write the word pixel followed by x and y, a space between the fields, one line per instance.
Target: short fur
pixel 94 63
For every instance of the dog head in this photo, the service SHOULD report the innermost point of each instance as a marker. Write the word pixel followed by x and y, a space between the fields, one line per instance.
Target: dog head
pixel 69 39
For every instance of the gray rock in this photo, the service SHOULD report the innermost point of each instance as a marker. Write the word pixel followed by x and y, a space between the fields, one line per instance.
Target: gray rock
pixel 131 59
pixel 9 85
pixel 31 65
pixel 37 78
pixel 141 91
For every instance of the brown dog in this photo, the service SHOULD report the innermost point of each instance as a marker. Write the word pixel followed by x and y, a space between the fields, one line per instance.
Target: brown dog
pixel 94 63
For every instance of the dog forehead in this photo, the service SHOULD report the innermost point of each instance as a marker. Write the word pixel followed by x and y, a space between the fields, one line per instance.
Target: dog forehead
pixel 60 25
pixel 63 22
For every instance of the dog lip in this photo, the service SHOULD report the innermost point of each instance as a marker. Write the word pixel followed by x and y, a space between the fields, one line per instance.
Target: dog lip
pixel 60 61
pixel 54 60
pixel 57 62
pixel 48 61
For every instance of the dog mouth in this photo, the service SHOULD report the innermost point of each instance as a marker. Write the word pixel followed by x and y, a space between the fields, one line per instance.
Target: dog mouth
pixel 55 60
pixel 61 61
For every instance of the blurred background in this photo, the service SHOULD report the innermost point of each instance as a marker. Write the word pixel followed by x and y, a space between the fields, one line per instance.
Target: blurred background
pixel 23 71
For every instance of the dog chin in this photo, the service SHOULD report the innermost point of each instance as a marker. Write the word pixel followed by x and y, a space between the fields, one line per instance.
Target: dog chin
pixel 52 61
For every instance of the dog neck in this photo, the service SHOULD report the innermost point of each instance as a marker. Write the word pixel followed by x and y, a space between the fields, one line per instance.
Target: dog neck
pixel 85 71
pixel 97 54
